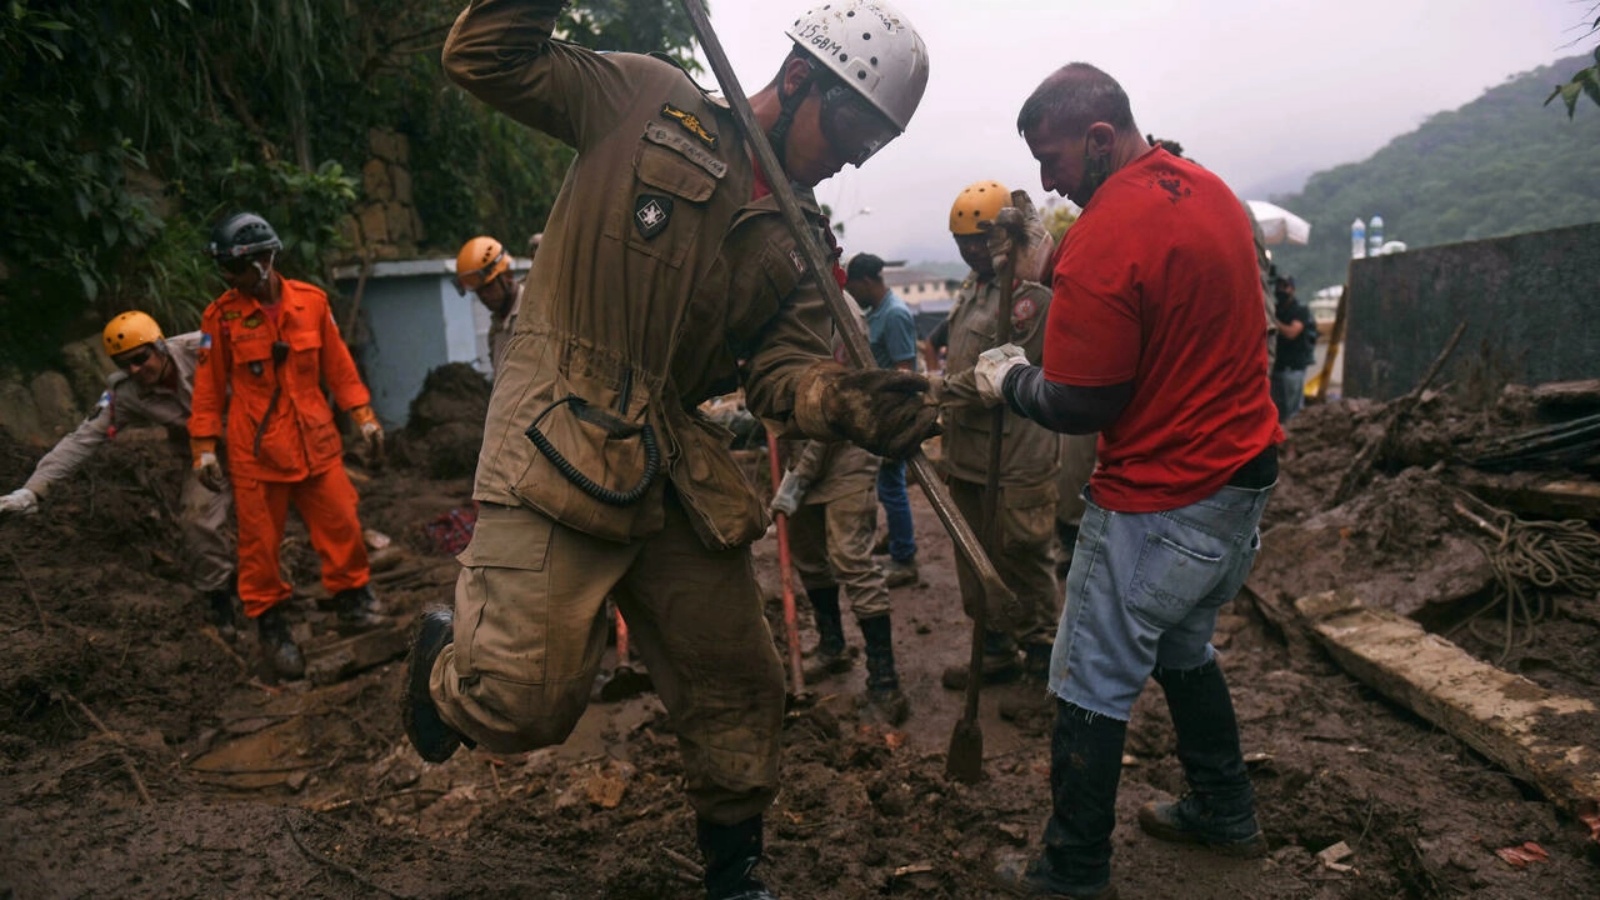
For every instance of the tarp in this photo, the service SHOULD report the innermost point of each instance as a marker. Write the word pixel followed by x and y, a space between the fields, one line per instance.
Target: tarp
pixel 1278 225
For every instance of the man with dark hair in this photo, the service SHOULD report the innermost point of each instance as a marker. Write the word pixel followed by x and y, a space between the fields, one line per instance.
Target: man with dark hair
pixel 1154 340
pixel 666 276
pixel 1297 347
pixel 892 331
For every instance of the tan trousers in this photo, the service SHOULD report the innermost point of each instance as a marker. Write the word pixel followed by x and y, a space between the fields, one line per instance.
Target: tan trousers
pixel 832 545
pixel 530 628
pixel 1024 556
pixel 207 535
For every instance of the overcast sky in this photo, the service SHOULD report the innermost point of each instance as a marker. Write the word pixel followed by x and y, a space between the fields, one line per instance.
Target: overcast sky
pixel 1260 91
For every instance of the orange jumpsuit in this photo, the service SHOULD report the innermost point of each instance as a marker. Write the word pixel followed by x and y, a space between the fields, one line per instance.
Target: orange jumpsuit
pixel 282 443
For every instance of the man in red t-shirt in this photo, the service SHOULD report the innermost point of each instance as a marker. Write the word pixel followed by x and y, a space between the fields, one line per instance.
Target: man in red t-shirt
pixel 1154 340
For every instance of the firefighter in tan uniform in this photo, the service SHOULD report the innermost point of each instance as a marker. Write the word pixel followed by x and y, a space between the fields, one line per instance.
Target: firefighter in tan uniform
pixel 154 385
pixel 1024 550
pixel 665 277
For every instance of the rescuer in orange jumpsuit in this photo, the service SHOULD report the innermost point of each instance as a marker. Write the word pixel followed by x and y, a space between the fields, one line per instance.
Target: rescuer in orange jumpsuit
pixel 268 346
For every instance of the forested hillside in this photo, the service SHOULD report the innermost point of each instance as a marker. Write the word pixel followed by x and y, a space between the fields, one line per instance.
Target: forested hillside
pixel 128 128
pixel 1503 164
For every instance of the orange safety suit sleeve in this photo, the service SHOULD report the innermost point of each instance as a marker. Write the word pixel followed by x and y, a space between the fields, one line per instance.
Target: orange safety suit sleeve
pixel 339 369
pixel 210 376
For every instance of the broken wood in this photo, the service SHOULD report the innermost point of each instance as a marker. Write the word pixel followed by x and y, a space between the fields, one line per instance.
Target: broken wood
pixel 1566 498
pixel 348 656
pixel 117 742
pixel 1567 393
pixel 1532 732
pixel 1361 467
pixel 27 584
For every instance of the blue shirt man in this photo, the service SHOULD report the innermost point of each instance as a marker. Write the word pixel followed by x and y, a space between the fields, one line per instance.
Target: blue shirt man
pixel 893 335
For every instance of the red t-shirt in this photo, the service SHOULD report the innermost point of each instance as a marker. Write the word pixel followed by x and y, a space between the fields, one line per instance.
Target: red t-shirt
pixel 1157 284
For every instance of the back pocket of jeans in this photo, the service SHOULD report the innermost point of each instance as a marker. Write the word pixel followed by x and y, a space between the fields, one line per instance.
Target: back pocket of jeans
pixel 1170 580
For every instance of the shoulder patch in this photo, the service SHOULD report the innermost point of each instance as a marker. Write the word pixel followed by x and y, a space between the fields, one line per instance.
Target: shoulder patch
pixel 1023 312
pixel 650 214
pixel 691 123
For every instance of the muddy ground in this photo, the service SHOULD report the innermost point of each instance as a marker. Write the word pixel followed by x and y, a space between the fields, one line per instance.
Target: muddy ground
pixel 140 756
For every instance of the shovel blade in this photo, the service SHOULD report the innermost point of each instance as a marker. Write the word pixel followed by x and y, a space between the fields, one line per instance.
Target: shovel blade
pixel 964 761
pixel 625 684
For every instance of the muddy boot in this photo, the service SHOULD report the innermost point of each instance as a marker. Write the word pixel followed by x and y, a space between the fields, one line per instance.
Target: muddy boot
pixel 220 613
pixel 1000 664
pixel 732 853
pixel 278 645
pixel 830 658
pixel 899 573
pixel 1219 810
pixel 358 610
pixel 435 741
pixel 883 685
pixel 1085 767
pixel 1033 699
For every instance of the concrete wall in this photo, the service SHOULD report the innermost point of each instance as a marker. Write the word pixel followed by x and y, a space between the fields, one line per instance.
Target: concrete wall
pixel 1530 302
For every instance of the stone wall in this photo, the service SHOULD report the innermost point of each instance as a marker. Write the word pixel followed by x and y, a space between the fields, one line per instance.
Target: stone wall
pixel 1529 301
pixel 37 410
pixel 385 224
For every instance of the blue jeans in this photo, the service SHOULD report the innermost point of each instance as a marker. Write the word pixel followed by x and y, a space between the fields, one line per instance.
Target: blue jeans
pixel 1144 590
pixel 897 510
pixel 1288 393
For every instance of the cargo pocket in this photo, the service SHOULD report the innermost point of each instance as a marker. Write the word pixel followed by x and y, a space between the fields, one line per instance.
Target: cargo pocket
pixel 1170 580
pixel 502 606
pixel 662 215
pixel 1028 518
pixel 722 508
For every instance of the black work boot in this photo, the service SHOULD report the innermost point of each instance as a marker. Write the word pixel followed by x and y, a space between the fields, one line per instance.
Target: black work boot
pixel 731 853
pixel 883 684
pixel 1219 810
pixel 278 645
pixel 435 740
pixel 1000 664
pixel 1085 767
pixel 220 613
pixel 830 657
pixel 358 609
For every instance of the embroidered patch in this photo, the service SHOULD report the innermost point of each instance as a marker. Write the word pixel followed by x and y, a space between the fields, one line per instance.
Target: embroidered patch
pixel 205 341
pixel 230 315
pixel 799 262
pixel 254 321
pixel 1022 313
pixel 650 214
pixel 690 123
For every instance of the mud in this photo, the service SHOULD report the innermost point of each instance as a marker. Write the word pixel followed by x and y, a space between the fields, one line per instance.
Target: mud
pixel 310 791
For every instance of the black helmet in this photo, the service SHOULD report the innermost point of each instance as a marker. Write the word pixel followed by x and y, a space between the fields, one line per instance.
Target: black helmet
pixel 240 235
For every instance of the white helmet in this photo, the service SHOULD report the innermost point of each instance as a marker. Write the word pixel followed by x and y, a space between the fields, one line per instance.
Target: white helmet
pixel 872 47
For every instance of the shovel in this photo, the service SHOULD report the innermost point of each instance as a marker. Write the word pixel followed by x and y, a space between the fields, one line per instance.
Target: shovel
pixel 964 760
pixel 625 682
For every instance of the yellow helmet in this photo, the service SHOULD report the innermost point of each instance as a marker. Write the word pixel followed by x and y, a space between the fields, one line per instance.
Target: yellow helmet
pixel 480 261
pixel 130 331
pixel 978 202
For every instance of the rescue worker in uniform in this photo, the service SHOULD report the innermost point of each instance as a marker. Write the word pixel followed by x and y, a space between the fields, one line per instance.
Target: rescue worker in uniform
pixel 484 268
pixel 153 385
pixel 267 347
pixel 664 264
pixel 1023 548
pixel 830 496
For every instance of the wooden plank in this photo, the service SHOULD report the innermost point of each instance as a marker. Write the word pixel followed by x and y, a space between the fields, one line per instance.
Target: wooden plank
pixel 1542 737
pixel 1537 497
pixel 1567 393
pixel 348 656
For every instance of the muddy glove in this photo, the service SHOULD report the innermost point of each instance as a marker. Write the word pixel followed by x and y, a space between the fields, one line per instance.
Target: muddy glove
pixel 790 492
pixel 20 501
pixel 989 375
pixel 371 432
pixel 206 464
pixel 885 411
pixel 1019 233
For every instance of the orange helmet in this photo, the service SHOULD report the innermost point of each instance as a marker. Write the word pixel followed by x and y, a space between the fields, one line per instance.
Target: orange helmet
pixel 130 331
pixel 480 261
pixel 978 202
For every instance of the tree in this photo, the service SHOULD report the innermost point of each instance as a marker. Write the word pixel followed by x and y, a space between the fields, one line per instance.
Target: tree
pixel 1586 82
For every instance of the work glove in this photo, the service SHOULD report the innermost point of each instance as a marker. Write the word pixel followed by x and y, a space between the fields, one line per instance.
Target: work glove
pixel 21 501
pixel 1019 233
pixel 791 490
pixel 989 375
pixel 206 463
pixel 371 432
pixel 885 411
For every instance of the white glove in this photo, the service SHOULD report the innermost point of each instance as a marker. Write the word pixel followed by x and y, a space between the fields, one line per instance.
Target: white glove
pixel 991 371
pixel 21 500
pixel 791 490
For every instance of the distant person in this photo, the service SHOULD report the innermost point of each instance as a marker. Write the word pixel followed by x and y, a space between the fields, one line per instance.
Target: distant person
pixel 893 334
pixel 1154 340
pixel 1297 345
pixel 153 385
pixel 484 267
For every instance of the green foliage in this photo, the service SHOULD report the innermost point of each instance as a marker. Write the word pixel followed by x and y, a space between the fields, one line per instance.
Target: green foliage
pixel 1502 164
pixel 130 127
pixel 1585 83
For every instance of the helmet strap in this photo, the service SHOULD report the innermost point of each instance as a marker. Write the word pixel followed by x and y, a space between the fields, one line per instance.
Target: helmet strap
pixel 789 104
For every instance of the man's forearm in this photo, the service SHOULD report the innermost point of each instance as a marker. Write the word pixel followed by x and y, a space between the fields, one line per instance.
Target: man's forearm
pixel 1066 408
